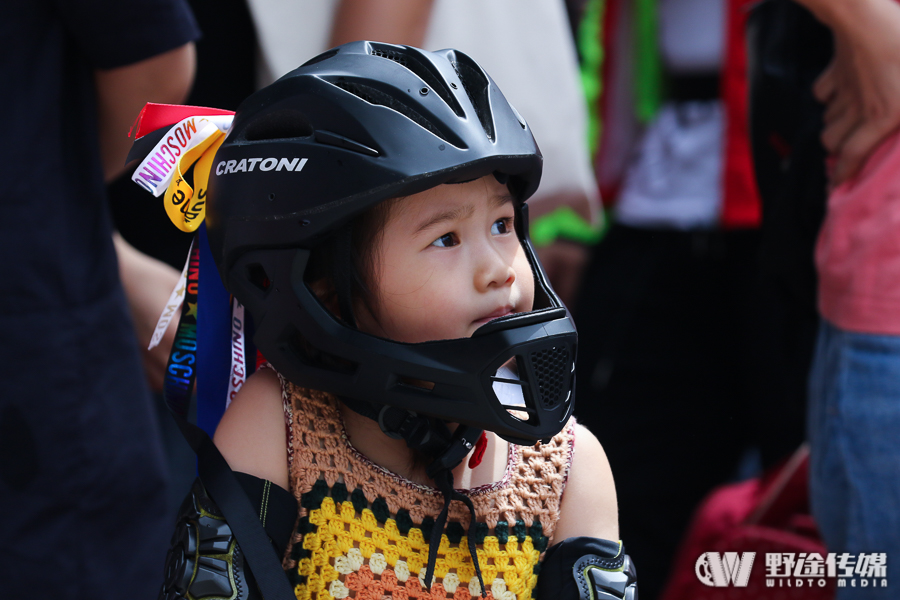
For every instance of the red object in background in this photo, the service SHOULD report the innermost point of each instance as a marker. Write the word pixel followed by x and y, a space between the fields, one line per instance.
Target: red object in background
pixel 765 514
pixel 741 205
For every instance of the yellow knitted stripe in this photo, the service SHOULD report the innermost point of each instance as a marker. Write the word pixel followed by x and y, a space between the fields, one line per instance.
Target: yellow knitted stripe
pixel 346 542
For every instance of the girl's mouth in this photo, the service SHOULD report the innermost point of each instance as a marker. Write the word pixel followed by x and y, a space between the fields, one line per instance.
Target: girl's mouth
pixel 500 312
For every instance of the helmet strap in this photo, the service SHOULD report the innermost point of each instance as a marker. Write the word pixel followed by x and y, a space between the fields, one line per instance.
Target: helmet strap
pixel 343 281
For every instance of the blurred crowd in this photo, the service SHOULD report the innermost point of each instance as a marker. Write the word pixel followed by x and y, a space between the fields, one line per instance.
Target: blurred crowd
pixel 717 210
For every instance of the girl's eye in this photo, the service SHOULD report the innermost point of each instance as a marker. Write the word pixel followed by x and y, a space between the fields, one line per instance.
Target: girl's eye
pixel 502 226
pixel 445 241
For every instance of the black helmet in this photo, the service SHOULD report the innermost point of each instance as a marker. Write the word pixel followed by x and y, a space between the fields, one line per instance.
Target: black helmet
pixel 357 125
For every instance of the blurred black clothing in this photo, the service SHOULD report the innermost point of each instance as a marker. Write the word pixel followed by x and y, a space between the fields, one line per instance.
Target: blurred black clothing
pixel 226 72
pixel 82 481
pixel 788 50
pixel 662 378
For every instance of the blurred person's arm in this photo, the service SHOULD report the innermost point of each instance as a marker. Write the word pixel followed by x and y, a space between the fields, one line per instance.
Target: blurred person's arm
pixel 148 282
pixel 861 87
pixel 392 21
pixel 121 94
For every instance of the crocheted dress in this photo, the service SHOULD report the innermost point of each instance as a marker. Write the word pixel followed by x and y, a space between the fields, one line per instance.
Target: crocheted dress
pixel 362 531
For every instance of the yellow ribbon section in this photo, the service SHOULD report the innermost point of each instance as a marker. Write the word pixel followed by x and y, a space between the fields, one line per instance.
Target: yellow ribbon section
pixel 185 209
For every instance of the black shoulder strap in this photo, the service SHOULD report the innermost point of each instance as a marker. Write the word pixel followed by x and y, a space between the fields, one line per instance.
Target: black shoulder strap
pixel 275 506
pixel 218 478
pixel 223 487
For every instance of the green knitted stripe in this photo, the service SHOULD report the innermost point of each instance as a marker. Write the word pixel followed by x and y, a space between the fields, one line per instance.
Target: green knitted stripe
pixel 312 500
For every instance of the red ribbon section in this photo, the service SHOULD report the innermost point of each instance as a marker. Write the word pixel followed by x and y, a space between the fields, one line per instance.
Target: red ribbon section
pixel 156 116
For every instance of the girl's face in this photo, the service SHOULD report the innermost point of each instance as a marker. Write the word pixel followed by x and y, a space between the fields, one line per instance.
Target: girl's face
pixel 449 262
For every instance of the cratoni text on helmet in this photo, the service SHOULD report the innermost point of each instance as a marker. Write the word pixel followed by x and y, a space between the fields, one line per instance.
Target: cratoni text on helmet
pixel 265 164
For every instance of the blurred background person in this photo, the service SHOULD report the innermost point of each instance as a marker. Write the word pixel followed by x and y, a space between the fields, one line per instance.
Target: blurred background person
pixel 683 370
pixel 82 479
pixel 854 408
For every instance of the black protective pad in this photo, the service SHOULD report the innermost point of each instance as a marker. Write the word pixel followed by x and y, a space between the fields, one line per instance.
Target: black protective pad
pixel 555 581
pixel 205 561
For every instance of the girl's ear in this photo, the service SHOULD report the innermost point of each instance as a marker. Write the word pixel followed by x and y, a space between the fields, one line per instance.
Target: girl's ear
pixel 325 292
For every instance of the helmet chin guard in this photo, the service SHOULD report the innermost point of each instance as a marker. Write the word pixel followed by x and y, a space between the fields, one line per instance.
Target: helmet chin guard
pixel 360 124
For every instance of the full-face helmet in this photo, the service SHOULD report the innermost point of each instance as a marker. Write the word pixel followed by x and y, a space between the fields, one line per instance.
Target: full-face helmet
pixel 305 156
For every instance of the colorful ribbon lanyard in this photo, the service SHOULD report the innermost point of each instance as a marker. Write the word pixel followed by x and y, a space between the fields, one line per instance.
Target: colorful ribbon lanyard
pixel 186 358
pixel 181 368
pixel 189 146
pixel 192 142
pixel 217 322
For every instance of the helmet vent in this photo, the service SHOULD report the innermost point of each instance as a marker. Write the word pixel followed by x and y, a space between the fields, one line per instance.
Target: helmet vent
pixel 424 71
pixel 476 85
pixel 551 367
pixel 379 98
pixel 278 125
pixel 393 55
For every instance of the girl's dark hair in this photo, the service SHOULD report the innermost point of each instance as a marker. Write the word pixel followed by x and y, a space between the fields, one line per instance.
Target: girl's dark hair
pixel 341 270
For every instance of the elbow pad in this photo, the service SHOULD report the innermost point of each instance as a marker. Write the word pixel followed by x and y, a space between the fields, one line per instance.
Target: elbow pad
pixel 585 568
pixel 205 560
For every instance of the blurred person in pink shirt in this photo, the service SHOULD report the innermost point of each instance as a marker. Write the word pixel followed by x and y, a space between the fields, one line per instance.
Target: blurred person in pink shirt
pixel 854 411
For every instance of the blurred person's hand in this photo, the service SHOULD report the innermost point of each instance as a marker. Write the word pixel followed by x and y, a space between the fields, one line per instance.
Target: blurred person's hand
pixel 861 87
pixel 564 261
pixel 148 283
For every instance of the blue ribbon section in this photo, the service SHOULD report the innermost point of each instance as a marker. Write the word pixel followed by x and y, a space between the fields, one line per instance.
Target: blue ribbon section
pixel 214 331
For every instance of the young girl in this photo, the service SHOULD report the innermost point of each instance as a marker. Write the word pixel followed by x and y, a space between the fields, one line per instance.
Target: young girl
pixel 419 387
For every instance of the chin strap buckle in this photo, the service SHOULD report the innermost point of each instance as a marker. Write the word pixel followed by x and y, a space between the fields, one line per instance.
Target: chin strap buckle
pixel 464 439
pixel 418 431
pixel 429 436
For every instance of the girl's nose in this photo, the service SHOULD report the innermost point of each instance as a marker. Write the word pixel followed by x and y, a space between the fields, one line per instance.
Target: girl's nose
pixel 494 270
